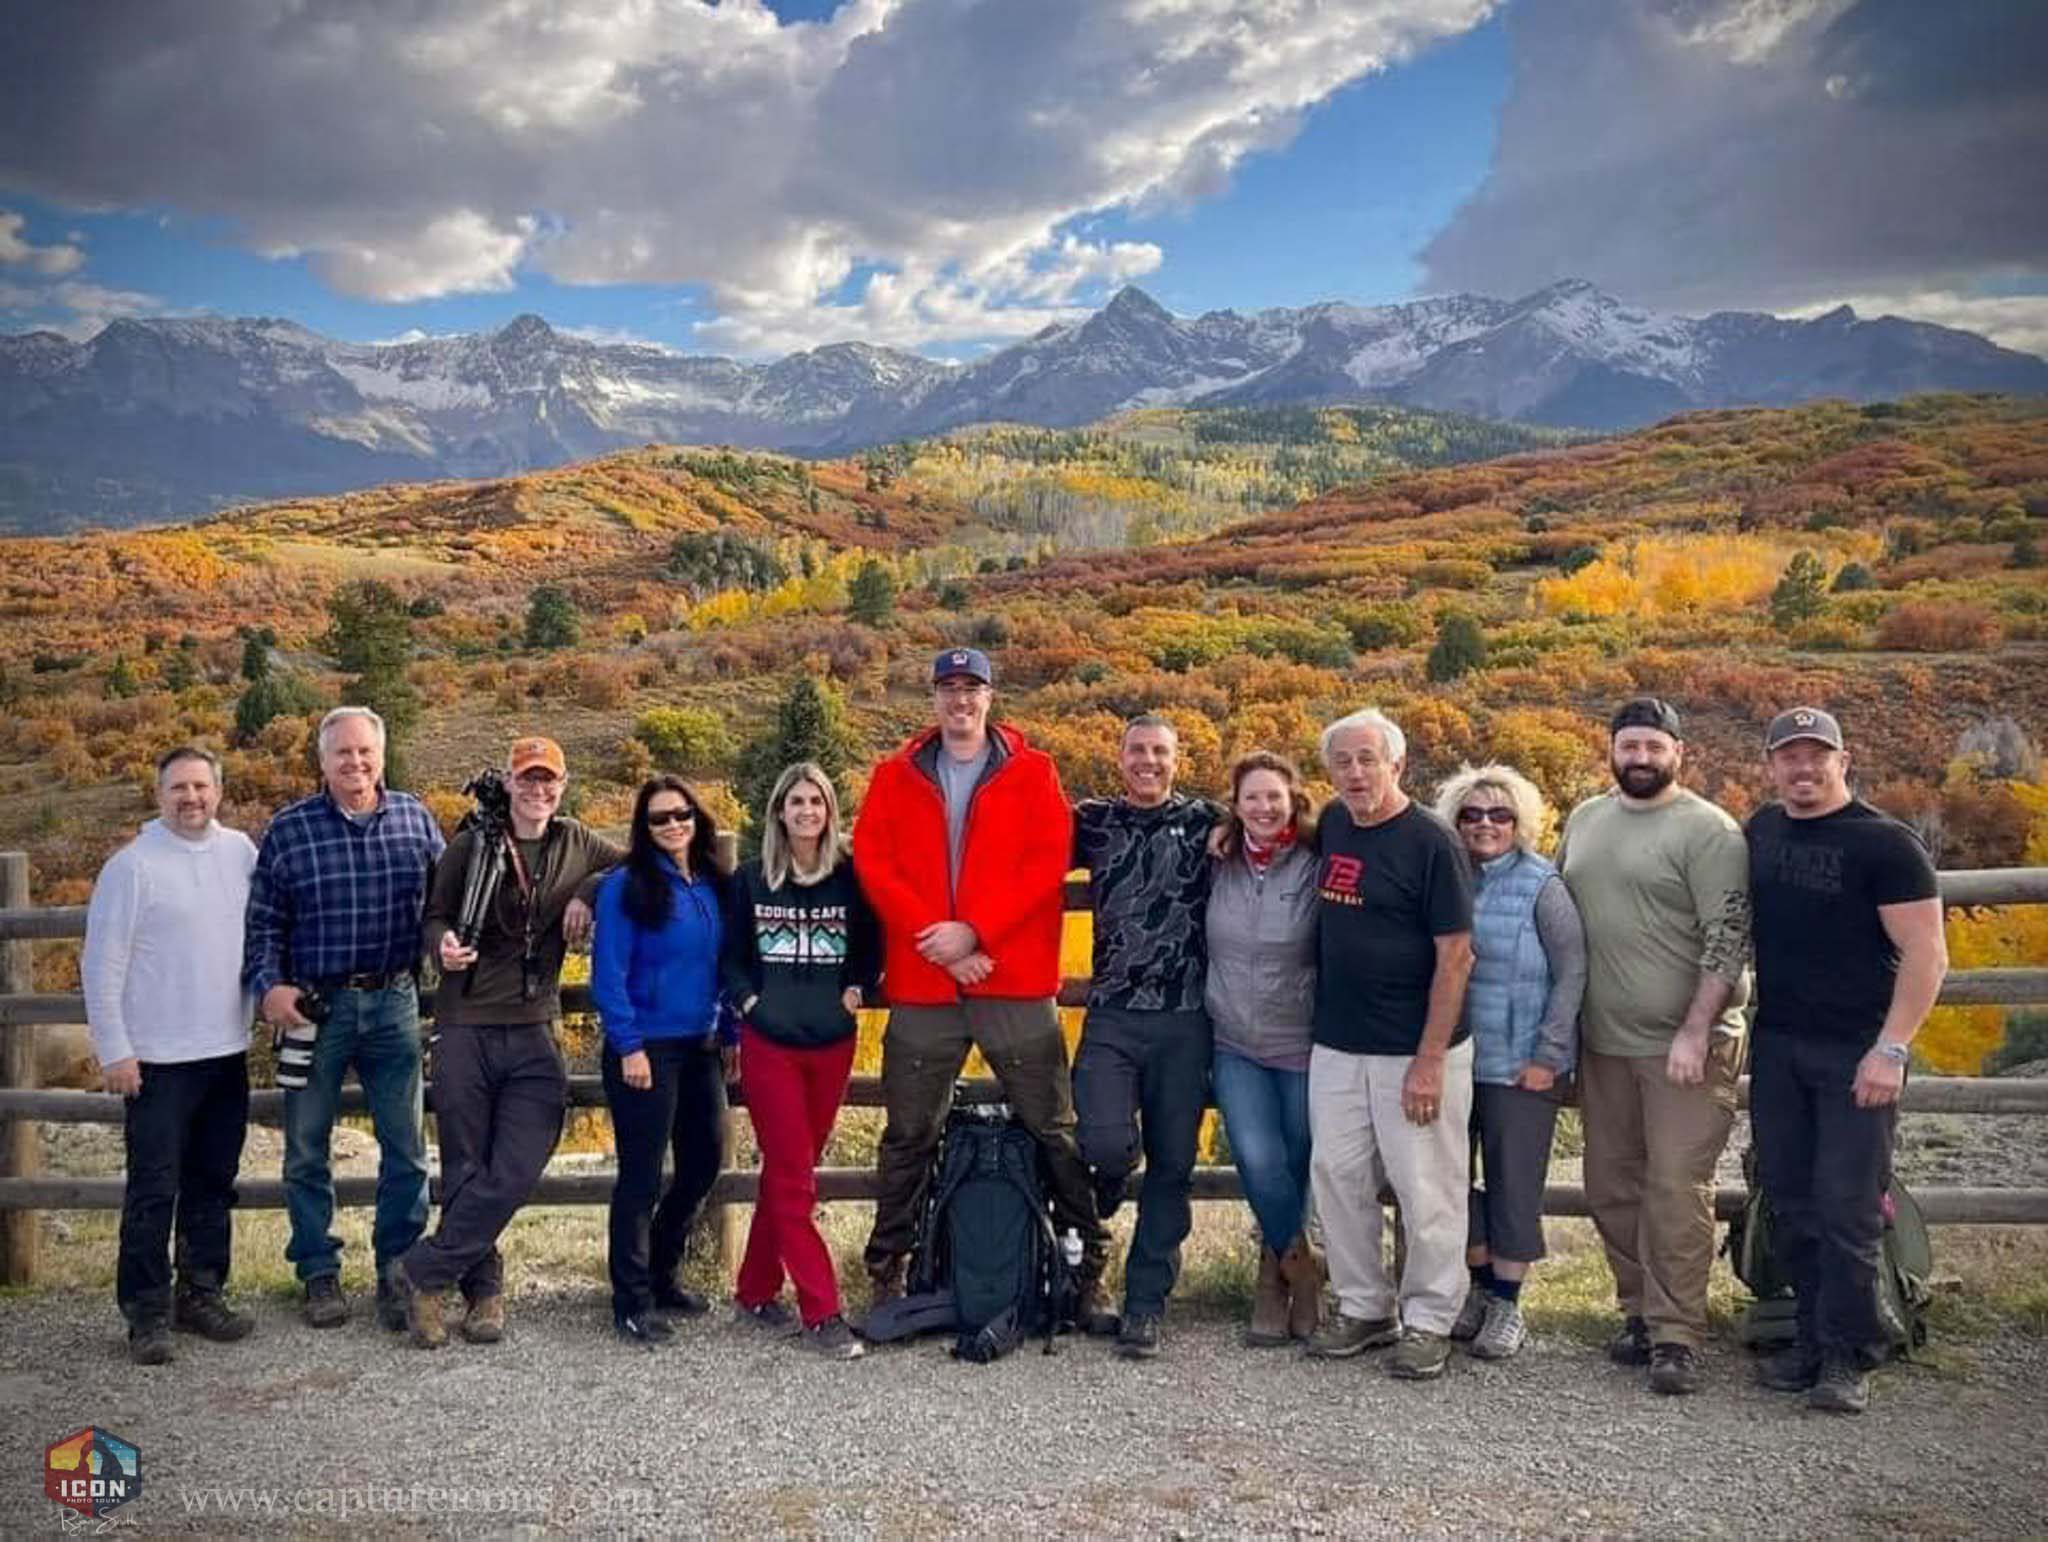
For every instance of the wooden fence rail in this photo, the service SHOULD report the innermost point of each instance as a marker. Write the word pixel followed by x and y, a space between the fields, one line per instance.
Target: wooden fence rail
pixel 24 1190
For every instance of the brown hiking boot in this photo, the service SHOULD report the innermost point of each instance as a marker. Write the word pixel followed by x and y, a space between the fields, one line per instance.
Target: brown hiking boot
pixel 423 1315
pixel 1269 1304
pixel 1093 1314
pixel 1301 1266
pixel 484 1322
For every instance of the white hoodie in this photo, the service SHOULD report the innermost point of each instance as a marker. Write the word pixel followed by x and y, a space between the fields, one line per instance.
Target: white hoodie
pixel 163 947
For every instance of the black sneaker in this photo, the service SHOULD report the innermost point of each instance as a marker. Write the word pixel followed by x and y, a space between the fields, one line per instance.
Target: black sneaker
pixel 1840 1387
pixel 206 1313
pixel 326 1306
pixel 149 1342
pixel 770 1317
pixel 1631 1346
pixel 390 1305
pixel 831 1340
pixel 681 1301
pixel 644 1328
pixel 1795 1369
pixel 1674 1369
pixel 1138 1338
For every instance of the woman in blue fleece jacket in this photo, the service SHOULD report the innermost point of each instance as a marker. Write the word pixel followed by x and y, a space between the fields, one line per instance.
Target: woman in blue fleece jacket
pixel 654 979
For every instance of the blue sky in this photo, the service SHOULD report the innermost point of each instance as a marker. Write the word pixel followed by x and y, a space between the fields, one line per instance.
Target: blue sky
pixel 947 176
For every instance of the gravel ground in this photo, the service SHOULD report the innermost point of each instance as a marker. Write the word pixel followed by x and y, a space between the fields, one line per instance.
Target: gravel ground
pixel 723 1434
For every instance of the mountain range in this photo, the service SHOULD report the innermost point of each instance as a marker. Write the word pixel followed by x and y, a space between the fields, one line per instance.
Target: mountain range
pixel 153 419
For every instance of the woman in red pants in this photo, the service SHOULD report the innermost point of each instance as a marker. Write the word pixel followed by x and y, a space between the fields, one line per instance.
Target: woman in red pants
pixel 801 953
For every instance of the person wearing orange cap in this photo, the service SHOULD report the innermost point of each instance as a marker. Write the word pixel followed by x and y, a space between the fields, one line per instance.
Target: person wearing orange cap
pixel 500 1089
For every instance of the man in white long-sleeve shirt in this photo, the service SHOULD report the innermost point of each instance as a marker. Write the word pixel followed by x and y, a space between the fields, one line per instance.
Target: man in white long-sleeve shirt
pixel 170 1025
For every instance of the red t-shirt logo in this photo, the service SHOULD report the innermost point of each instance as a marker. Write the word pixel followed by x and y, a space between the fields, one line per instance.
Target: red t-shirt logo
pixel 1341 874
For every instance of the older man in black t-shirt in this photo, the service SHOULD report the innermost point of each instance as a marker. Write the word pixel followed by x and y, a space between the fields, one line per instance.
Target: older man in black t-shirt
pixel 1849 959
pixel 1390 1076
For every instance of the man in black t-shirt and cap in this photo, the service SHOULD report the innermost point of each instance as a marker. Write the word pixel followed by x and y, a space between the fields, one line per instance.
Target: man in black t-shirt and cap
pixel 1390 1073
pixel 1145 1045
pixel 1849 959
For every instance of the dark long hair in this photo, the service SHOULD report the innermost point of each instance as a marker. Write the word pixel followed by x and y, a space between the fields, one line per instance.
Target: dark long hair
pixel 647 890
pixel 1300 810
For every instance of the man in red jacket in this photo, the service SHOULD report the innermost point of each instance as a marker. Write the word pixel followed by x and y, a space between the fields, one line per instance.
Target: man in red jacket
pixel 962 846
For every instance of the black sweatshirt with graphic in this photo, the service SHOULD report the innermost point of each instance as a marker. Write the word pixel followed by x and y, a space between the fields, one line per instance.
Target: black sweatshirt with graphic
pixel 797 948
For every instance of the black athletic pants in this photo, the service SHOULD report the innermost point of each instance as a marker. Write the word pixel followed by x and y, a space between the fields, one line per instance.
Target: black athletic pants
pixel 1142 1079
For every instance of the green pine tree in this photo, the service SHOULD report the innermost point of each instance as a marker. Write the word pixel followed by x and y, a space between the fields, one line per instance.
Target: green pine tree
pixel 1460 648
pixel 1802 593
pixel 551 619
pixel 871 597
pixel 810 724
pixel 369 633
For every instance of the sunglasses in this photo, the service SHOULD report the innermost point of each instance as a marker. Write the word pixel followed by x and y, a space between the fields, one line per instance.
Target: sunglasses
pixel 671 816
pixel 1490 816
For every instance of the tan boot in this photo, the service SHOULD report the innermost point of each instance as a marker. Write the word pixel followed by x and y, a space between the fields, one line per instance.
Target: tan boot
pixel 1269 1304
pixel 484 1322
pixel 1301 1266
pixel 423 1318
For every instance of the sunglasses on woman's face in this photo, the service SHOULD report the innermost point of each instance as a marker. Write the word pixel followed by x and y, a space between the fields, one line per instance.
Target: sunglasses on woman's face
pixel 1491 816
pixel 670 816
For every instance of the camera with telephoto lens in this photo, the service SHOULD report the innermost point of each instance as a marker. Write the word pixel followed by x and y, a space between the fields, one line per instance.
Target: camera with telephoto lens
pixel 291 1044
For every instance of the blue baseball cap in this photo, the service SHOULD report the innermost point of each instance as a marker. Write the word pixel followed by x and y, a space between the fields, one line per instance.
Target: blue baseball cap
pixel 963 661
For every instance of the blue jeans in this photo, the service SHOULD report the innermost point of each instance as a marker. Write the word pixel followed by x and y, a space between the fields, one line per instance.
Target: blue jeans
pixel 377 1032
pixel 1265 1114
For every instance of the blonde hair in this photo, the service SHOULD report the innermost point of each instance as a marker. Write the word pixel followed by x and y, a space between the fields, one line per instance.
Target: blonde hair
pixel 1532 814
pixel 778 862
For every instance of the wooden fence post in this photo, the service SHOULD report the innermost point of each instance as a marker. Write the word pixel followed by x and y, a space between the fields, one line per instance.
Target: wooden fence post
pixel 20 1139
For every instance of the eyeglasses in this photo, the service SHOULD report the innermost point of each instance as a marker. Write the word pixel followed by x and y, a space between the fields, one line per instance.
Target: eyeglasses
pixel 960 688
pixel 671 816
pixel 539 777
pixel 1491 816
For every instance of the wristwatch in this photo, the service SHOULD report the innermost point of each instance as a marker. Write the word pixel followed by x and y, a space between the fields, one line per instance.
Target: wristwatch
pixel 1897 1054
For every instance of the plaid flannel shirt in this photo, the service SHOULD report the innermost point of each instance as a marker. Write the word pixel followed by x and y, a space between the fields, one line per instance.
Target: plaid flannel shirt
pixel 331 897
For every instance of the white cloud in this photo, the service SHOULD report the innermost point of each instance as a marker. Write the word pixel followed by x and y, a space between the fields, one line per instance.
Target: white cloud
pixel 16 251
pixel 2012 321
pixel 1700 154
pixel 412 151
pixel 74 307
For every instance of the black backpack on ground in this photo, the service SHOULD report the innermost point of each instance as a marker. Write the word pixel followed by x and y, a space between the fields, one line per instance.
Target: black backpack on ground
pixel 988 1263
pixel 1905 1270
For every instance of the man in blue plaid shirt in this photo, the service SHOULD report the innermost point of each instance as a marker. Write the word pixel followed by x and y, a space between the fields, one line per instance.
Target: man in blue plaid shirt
pixel 334 906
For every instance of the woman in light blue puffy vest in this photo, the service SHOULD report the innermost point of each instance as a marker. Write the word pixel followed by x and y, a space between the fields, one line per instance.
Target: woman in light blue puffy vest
pixel 1522 1008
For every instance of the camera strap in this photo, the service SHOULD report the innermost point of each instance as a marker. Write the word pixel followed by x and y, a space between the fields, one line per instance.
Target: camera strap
pixel 530 902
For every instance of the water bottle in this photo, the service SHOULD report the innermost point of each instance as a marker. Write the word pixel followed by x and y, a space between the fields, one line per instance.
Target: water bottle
pixel 1070 1247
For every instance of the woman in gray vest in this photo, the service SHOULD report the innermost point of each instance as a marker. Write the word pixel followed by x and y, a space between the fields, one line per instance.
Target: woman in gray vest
pixel 1522 1010
pixel 1260 994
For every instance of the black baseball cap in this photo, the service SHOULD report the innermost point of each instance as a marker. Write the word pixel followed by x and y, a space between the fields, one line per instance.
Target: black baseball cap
pixel 1646 712
pixel 1803 723
pixel 963 661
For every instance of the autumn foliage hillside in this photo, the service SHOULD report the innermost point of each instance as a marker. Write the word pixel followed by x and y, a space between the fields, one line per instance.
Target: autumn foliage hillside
pixel 658 607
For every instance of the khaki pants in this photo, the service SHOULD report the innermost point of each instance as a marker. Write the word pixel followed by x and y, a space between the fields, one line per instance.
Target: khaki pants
pixel 1360 1141
pixel 1650 1154
pixel 923 1049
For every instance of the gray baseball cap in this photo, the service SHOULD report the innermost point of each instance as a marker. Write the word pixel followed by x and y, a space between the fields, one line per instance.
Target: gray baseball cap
pixel 1803 723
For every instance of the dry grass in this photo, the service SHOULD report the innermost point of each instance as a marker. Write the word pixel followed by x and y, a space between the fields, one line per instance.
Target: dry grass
pixel 1993 1279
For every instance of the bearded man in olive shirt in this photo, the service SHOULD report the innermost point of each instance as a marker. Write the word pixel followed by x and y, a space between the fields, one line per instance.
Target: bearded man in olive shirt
pixel 500 1087
pixel 1661 879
